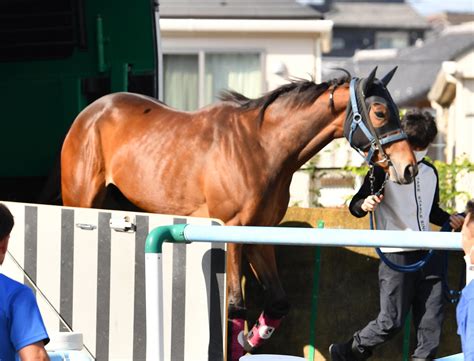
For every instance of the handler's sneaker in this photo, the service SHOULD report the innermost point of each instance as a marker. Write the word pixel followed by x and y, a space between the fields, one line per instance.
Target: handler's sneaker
pixel 340 352
pixel 346 352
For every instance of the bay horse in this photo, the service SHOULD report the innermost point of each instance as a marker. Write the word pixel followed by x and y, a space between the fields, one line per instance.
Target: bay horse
pixel 232 160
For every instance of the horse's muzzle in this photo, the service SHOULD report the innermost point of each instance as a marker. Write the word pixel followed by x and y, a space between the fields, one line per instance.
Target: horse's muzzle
pixel 406 176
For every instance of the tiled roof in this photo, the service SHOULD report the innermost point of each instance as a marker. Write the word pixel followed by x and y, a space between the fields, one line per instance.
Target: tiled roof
pixel 235 9
pixel 380 15
pixel 418 66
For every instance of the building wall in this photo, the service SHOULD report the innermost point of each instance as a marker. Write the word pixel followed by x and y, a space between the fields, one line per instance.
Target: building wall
pixel 463 104
pixel 463 113
pixel 298 54
pixel 364 38
pixel 456 116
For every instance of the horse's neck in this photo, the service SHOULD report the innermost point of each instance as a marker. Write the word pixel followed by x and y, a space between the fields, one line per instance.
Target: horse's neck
pixel 297 134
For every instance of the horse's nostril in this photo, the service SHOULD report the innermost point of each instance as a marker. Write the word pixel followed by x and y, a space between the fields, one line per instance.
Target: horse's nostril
pixel 410 172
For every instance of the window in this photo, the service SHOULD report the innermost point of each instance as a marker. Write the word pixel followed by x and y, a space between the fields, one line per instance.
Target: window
pixel 338 43
pixel 194 80
pixel 180 81
pixel 389 40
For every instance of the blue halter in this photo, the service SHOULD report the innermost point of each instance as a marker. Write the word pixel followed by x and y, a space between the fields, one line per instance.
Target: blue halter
pixel 361 120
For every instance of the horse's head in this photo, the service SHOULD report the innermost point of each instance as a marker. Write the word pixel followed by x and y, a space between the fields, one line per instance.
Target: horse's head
pixel 373 128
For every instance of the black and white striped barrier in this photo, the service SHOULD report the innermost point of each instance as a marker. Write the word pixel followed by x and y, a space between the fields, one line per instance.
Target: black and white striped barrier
pixel 88 267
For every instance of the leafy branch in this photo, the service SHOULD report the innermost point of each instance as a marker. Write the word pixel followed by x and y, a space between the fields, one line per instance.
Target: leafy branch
pixel 449 174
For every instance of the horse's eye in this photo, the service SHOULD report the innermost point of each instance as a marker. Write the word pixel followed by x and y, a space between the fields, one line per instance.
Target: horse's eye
pixel 380 115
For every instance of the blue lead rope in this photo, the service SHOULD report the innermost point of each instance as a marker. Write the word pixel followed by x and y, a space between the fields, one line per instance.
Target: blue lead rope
pixel 397 267
pixel 451 295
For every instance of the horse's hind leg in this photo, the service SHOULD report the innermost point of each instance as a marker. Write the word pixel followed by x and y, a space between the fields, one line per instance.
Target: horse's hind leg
pixel 88 193
pixel 82 177
pixel 262 261
pixel 236 308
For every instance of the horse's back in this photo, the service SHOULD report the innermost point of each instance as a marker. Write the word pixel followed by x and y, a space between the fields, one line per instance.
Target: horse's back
pixel 123 137
pixel 120 106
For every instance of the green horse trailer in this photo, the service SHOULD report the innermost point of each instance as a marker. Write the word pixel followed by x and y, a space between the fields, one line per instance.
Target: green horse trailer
pixel 56 57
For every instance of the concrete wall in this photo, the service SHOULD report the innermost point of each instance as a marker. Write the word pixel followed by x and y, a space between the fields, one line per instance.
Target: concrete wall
pixel 348 292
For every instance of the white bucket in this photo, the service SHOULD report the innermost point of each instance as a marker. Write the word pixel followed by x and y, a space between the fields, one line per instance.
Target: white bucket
pixel 66 346
pixel 271 358
pixel 60 341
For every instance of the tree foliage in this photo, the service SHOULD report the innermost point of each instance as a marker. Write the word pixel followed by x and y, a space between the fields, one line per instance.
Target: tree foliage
pixel 449 175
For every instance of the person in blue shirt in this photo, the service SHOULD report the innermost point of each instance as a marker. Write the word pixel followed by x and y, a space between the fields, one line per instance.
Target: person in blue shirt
pixel 465 309
pixel 22 331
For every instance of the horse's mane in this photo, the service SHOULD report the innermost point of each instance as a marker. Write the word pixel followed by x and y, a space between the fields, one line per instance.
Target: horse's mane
pixel 302 91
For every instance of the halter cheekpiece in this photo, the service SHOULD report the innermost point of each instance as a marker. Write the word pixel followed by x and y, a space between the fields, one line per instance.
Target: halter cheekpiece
pixel 371 139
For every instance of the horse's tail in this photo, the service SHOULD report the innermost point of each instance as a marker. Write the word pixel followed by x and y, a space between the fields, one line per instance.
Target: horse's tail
pixel 51 192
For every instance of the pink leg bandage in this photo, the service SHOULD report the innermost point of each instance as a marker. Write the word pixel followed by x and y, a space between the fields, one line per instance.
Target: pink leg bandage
pixel 237 339
pixel 261 331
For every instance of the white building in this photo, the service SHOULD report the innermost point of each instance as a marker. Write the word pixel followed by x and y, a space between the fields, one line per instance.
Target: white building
pixel 452 96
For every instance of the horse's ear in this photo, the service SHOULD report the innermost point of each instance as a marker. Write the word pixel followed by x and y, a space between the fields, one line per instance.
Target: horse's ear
pixel 386 79
pixel 369 80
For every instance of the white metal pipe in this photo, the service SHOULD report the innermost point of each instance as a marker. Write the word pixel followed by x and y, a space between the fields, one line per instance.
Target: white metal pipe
pixel 324 237
pixel 154 307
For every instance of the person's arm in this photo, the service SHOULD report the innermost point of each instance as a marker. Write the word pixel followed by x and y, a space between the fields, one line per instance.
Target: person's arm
pixel 27 331
pixel 33 352
pixel 363 201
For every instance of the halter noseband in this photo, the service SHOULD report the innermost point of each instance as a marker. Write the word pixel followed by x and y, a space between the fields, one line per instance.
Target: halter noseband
pixel 360 119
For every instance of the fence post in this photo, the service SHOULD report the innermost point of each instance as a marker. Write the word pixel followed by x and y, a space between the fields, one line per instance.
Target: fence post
pixel 314 298
pixel 406 337
pixel 154 287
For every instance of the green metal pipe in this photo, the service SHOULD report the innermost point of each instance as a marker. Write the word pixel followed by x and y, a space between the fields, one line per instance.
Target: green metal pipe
pixel 100 45
pixel 406 338
pixel 314 299
pixel 154 240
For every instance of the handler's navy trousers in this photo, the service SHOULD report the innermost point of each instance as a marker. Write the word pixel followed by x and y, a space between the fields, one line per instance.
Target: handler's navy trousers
pixel 422 290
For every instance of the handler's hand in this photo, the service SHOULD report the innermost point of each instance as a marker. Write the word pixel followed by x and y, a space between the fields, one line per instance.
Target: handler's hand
pixel 456 221
pixel 371 202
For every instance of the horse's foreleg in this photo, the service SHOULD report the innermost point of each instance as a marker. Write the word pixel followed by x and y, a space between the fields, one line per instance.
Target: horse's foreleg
pixel 236 307
pixel 262 261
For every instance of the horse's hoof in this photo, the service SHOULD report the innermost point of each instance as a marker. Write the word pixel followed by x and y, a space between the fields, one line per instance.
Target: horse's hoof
pixel 236 339
pixel 247 346
pixel 237 347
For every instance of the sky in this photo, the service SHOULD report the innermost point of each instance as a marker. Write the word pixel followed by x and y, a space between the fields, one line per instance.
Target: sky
pixel 427 7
